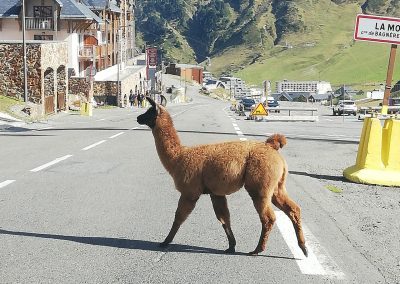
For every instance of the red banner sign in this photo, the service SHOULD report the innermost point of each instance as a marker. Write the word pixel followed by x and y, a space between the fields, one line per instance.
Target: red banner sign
pixel 152 56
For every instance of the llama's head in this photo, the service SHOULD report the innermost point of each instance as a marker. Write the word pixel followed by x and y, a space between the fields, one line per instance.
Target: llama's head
pixel 150 116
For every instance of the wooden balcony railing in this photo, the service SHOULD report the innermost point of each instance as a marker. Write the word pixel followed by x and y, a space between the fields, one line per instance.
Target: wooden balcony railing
pixel 87 51
pixel 34 23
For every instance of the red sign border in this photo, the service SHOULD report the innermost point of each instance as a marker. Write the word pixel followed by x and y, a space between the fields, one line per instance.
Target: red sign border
pixel 376 18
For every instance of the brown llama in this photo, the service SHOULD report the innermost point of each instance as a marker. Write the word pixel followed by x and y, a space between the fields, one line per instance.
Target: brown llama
pixel 221 169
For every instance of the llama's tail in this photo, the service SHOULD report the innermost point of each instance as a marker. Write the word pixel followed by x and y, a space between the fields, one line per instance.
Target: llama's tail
pixel 276 141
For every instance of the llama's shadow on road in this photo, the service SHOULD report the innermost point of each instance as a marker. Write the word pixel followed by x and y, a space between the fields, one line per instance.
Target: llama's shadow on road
pixel 129 244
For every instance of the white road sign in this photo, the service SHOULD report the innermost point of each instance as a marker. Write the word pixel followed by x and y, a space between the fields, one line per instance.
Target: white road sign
pixel 377 29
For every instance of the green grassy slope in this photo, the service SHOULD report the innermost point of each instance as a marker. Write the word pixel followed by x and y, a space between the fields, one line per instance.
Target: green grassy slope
pixel 324 51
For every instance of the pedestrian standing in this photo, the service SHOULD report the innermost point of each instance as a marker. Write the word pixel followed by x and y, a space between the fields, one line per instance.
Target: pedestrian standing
pixel 139 99
pixel 131 99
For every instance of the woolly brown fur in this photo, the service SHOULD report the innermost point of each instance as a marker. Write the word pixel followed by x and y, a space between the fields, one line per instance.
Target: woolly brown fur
pixel 221 169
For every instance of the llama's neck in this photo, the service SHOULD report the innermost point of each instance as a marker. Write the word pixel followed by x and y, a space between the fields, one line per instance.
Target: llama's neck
pixel 167 141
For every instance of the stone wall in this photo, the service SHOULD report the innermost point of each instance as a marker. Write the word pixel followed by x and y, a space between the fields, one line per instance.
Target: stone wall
pixel 12 72
pixel 101 89
pixel 43 60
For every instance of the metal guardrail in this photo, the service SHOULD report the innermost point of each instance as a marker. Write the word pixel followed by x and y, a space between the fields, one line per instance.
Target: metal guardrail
pixel 368 110
pixel 295 109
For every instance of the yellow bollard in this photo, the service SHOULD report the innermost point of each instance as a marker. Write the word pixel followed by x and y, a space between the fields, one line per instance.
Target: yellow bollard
pixel 86 109
pixel 378 157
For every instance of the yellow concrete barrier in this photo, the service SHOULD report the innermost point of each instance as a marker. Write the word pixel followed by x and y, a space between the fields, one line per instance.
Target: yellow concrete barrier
pixel 86 109
pixel 378 157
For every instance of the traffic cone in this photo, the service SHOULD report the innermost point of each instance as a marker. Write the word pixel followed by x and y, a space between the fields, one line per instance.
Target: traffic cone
pixel 378 157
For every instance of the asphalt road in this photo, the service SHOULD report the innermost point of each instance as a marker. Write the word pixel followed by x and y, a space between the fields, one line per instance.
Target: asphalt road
pixel 86 200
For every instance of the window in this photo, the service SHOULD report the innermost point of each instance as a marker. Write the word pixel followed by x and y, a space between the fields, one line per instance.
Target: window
pixel 42 11
pixel 43 37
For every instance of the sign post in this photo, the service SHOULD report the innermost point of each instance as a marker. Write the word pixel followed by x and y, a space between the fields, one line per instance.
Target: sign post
pixel 383 30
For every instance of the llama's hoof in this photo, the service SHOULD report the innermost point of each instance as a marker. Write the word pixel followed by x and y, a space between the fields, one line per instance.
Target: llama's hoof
pixel 163 244
pixel 230 250
pixel 305 251
pixel 253 253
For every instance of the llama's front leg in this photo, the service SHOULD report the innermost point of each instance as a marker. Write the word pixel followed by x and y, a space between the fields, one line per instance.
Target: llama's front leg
pixel 222 212
pixel 267 218
pixel 185 207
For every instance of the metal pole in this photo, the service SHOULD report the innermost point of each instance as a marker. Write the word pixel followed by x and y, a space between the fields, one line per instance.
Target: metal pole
pixel 389 76
pixel 24 51
pixel 118 97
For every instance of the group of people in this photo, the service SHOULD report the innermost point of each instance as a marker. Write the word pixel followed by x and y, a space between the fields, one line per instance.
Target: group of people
pixel 136 99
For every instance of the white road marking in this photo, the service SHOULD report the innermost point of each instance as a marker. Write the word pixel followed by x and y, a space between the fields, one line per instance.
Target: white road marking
pixel 240 133
pixel 243 139
pixel 159 257
pixel 116 135
pixel 318 262
pixel 5 183
pixel 236 128
pixel 51 163
pixel 101 119
pixel 93 145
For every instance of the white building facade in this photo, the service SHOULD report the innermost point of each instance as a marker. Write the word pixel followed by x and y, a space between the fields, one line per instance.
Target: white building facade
pixel 317 87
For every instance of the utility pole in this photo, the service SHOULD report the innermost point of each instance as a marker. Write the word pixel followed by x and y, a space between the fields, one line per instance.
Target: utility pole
pixel 24 51
pixel 118 63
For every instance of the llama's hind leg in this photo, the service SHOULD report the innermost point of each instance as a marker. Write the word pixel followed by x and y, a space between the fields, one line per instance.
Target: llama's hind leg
pixel 267 217
pixel 185 207
pixel 281 200
pixel 222 212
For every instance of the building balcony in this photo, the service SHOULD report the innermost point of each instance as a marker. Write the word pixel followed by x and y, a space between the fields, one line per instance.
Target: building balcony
pixel 87 51
pixel 34 23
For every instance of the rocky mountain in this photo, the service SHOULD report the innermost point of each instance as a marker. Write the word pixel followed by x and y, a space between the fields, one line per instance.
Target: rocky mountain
pixel 192 30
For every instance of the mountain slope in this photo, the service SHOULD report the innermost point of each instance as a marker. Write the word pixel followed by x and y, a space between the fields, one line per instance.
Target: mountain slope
pixel 269 40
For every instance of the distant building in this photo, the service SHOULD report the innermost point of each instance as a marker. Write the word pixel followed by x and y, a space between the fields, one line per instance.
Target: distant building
pixel 318 87
pixel 236 86
pixel 186 71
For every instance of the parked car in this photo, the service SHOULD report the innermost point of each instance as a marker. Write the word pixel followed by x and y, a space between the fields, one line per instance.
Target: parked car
pixel 248 103
pixel 345 107
pixel 273 104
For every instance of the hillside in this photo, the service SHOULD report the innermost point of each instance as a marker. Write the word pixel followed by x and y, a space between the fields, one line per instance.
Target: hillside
pixel 269 40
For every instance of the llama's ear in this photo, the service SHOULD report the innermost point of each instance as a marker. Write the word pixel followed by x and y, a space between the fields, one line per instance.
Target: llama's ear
pixel 153 103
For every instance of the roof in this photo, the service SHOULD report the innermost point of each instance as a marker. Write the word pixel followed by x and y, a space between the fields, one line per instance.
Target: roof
pixel 70 9
pixel 293 96
pixel 321 96
pixel 188 66
pixel 9 8
pixel 74 10
pixel 101 4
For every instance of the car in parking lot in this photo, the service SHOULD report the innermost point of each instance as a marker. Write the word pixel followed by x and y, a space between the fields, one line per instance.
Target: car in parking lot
pixel 248 103
pixel 345 107
pixel 273 104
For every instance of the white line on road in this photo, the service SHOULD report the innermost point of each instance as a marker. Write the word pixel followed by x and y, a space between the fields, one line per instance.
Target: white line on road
pixel 116 135
pixel 93 145
pixel 310 265
pixel 5 183
pixel 51 163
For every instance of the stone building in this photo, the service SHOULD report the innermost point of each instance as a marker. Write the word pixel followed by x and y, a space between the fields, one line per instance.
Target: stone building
pixel 95 34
